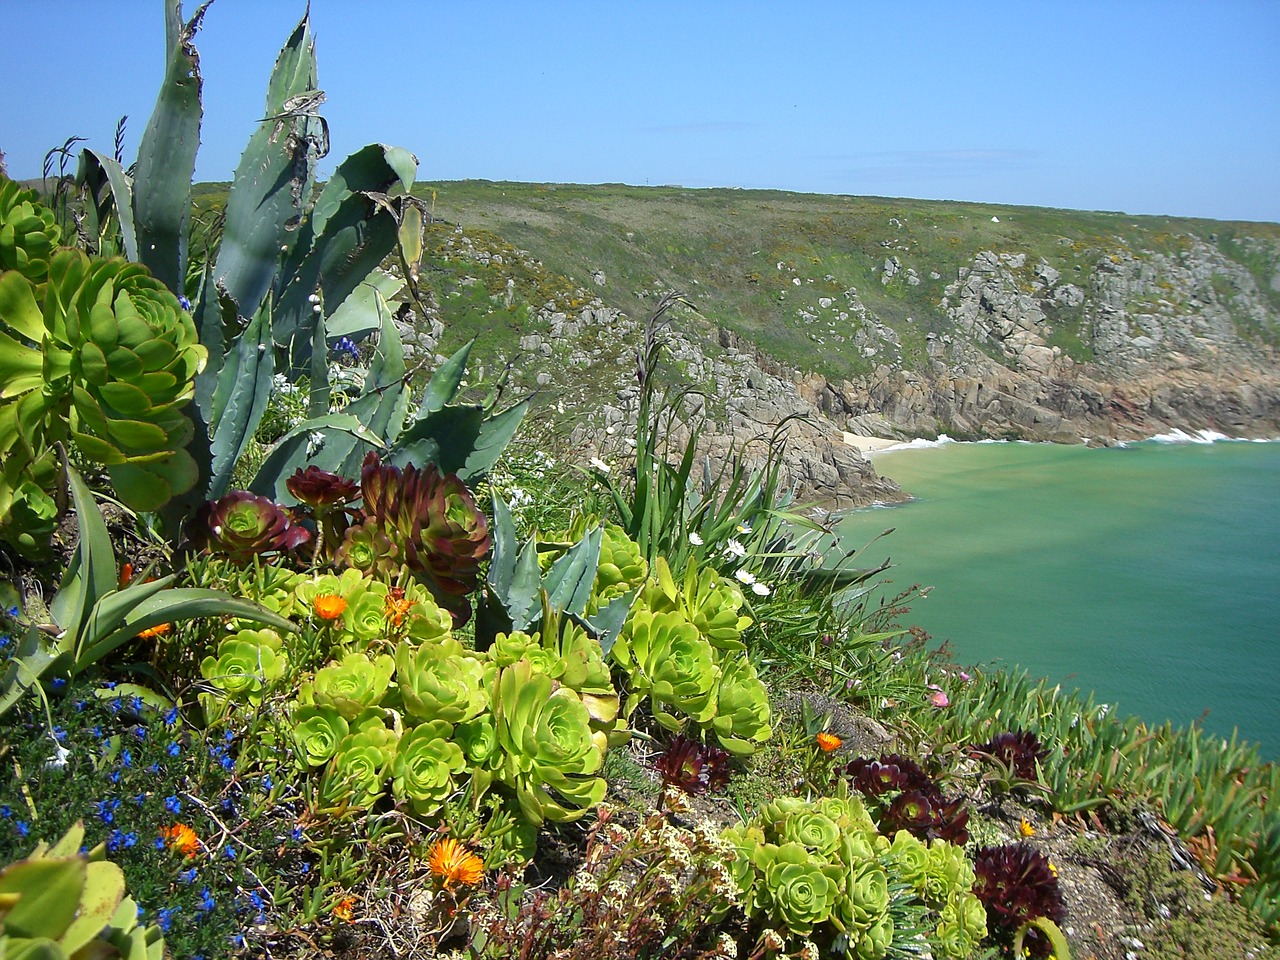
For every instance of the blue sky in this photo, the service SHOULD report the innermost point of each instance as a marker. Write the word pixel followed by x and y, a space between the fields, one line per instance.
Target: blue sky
pixel 1145 107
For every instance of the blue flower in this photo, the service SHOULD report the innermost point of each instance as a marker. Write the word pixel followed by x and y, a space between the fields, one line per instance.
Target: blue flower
pixel 170 716
pixel 140 799
pixel 305 868
pixel 58 683
pixel 6 811
pixel 227 763
pixel 158 843
pixel 154 768
pixel 174 749
pixel 106 809
pixel 267 782
pixel 184 303
pixel 188 876
pixel 165 918
pixel 115 776
pixel 229 851
pixel 173 804
pixel 126 758
pixel 206 900
pixel 296 834
pixel 80 705
pixel 22 828
pixel 346 347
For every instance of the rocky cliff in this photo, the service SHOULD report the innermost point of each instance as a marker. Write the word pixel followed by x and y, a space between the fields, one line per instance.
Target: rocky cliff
pixel 1097 329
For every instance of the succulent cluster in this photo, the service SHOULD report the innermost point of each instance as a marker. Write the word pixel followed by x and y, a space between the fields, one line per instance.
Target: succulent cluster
pixel 820 870
pixel 1017 884
pixel 682 651
pixel 906 798
pixel 692 766
pixel 1017 752
pixel 95 354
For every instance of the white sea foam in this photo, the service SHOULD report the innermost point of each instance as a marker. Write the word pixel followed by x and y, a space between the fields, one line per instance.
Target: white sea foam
pixel 1196 436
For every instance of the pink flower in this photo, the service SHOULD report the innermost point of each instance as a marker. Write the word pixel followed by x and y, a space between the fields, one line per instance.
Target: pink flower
pixel 964 676
pixel 939 699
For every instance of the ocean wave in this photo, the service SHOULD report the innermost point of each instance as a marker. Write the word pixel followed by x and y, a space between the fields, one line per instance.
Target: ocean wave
pixel 1195 436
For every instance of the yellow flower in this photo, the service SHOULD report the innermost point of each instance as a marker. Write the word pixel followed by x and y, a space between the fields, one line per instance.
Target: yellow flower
pixel 329 606
pixel 828 741
pixel 1026 829
pixel 182 838
pixel 454 865
pixel 157 630
pixel 342 909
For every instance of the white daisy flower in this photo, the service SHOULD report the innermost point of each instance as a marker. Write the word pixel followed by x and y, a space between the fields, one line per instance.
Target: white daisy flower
pixel 744 528
pixel 735 549
pixel 599 464
pixel 746 576
pixel 760 589
pixel 695 539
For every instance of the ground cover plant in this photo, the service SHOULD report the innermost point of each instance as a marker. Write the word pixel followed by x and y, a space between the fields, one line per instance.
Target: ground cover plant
pixel 334 667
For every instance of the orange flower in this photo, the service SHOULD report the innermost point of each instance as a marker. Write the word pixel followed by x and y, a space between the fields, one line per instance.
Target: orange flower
pixel 182 838
pixel 342 909
pixel 450 861
pixel 397 606
pixel 156 631
pixel 330 607
pixel 828 741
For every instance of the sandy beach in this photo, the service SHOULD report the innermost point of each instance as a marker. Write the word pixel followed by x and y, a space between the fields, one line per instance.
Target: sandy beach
pixel 868 445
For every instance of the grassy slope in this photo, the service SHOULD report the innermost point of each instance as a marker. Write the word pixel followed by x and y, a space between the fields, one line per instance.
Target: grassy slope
pixel 723 248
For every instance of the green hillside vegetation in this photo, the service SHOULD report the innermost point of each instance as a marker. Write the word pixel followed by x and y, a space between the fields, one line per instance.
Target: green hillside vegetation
pixel 723 248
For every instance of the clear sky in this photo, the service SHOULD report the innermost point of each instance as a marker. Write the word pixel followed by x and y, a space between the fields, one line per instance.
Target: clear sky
pixel 1135 105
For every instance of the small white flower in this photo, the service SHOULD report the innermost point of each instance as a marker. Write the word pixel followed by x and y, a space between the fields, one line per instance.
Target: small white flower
pixel 735 549
pixel 745 576
pixel 317 309
pixel 314 298
pixel 760 589
pixel 599 464
pixel 695 539
pixel 315 441
pixel 609 430
pixel 744 528
pixel 59 758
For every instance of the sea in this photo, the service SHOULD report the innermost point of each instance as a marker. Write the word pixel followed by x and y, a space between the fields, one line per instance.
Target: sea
pixel 1148 574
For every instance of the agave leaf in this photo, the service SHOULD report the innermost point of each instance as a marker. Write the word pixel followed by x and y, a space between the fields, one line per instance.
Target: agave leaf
pixel 111 196
pixel 345 239
pixel 495 433
pixel 167 154
pixel 244 389
pixel 445 382
pixel 522 600
pixel 607 622
pixel 359 313
pixel 33 658
pixel 568 582
pixel 274 178
pixel 109 612
pixel 502 561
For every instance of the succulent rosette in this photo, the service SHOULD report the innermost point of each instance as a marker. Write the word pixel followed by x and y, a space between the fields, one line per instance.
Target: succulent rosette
pixel 962 924
pixel 442 681
pixel 549 754
pixel 247 664
pixel 692 766
pixel 707 600
pixel 866 898
pixel 621 568
pixel 367 547
pixel 1018 751
pixel 434 523
pixel 105 357
pixel 426 762
pixel 29 232
pixel 352 685
pixel 795 888
pixel 1016 884
pixel 805 825
pixel 243 525
pixel 743 714
pixel 668 661
pixel 357 774
pixel 320 488
pixel 317 731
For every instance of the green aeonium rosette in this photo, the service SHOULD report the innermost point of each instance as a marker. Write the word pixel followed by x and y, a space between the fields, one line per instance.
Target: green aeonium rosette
pixel 102 356
pixel 427 761
pixel 29 232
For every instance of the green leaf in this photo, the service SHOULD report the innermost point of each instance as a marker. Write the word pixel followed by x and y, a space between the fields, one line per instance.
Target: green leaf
pixel 341 433
pixel 522 600
pixel 111 197
pixel 103 890
pixel 244 390
pixel 445 381
pixel 494 436
pixel 274 178
pixel 50 893
pixel 18 308
pixel 502 560
pixel 91 572
pixel 568 582
pixel 183 603
pixel 359 314
pixel 167 155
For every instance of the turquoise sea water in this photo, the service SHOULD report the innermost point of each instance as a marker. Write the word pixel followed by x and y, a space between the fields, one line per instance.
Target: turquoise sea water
pixel 1149 574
